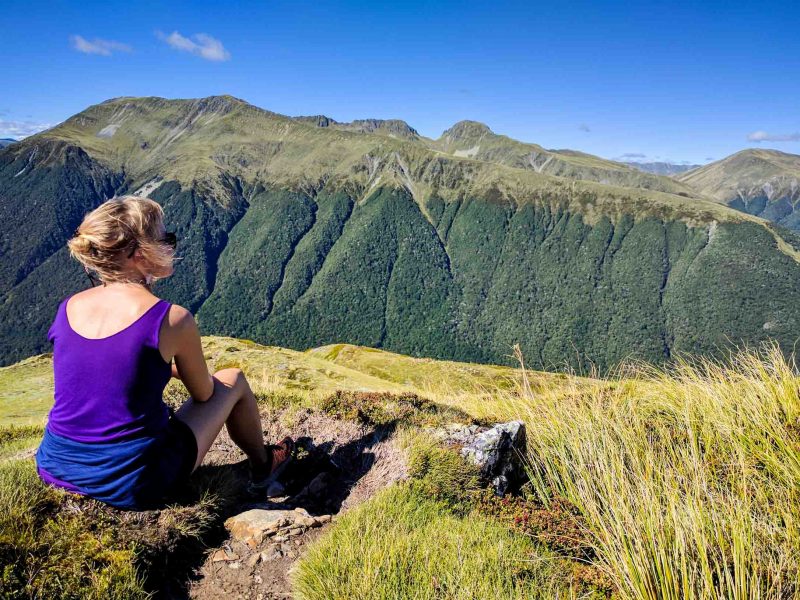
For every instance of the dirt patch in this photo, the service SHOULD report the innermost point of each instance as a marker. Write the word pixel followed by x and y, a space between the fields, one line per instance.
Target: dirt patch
pixel 339 464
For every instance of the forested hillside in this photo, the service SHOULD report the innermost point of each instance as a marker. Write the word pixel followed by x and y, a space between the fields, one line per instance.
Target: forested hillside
pixel 297 234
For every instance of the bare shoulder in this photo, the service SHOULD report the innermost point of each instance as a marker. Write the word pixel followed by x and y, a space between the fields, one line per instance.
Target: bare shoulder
pixel 180 318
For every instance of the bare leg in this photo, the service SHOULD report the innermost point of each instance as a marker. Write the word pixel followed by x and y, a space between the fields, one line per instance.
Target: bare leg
pixel 234 405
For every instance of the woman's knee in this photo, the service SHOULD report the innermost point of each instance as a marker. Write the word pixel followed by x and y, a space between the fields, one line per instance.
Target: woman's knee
pixel 232 376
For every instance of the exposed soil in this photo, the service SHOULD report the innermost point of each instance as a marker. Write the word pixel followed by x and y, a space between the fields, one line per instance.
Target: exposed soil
pixel 339 464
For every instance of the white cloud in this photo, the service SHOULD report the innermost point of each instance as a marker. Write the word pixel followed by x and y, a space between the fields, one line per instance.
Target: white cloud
pixel 763 136
pixel 21 129
pixel 97 46
pixel 200 44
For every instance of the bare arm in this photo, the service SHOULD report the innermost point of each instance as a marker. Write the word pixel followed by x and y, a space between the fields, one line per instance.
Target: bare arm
pixel 190 364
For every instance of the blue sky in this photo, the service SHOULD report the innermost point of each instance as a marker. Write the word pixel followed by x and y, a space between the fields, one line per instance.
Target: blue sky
pixel 680 81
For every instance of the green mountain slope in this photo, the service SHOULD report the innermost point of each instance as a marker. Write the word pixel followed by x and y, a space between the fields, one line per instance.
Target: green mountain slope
pixel 760 182
pixel 300 235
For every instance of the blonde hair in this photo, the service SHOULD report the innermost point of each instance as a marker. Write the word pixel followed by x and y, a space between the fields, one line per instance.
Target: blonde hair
pixel 114 229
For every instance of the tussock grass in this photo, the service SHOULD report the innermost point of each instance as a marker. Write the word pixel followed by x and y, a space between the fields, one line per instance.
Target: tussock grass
pixel 688 476
pixel 63 556
pixel 54 544
pixel 403 544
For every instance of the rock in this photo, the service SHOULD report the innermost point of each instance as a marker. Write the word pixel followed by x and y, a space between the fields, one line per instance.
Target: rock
pixel 322 519
pixel 318 485
pixel 301 511
pixel 280 538
pixel 294 531
pixel 255 523
pixel 496 451
pixel 223 554
pixel 252 560
pixel 274 554
pixel 307 522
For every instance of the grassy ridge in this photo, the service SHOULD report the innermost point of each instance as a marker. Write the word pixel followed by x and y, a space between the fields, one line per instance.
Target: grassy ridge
pixel 678 482
pixel 686 480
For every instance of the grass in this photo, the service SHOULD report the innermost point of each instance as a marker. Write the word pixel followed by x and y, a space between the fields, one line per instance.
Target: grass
pixel 54 544
pixel 656 483
pixel 688 478
pixel 63 556
pixel 403 544
pixel 27 391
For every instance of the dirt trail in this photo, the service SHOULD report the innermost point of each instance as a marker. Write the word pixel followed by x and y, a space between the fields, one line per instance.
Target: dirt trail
pixel 339 465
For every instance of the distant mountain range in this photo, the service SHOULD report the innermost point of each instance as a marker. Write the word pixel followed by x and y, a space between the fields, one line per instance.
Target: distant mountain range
pixel 6 142
pixel 303 231
pixel 765 183
pixel 661 168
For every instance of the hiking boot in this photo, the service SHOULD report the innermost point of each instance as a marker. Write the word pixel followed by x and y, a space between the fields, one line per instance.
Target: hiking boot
pixel 278 457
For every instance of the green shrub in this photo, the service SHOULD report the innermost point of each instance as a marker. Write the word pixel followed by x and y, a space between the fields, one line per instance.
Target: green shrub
pixel 442 474
pixel 385 408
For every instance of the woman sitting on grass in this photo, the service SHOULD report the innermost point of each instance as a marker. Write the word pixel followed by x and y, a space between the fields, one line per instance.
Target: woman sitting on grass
pixel 109 434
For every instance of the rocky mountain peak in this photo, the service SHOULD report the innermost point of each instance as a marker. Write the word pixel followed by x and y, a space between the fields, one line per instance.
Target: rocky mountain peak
pixel 466 131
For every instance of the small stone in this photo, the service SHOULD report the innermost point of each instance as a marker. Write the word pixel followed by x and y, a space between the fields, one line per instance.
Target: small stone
pixel 275 489
pixel 255 522
pixel 301 511
pixel 322 519
pixel 258 580
pixel 280 538
pixel 298 542
pixel 235 565
pixel 294 531
pixel 274 554
pixel 223 554
pixel 252 543
pixel 306 521
pixel 317 486
pixel 253 559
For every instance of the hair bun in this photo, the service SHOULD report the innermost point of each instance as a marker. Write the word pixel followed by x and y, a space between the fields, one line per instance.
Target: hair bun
pixel 80 243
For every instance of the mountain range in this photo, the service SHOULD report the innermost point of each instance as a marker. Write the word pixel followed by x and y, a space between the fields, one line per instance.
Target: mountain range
pixel 661 168
pixel 765 183
pixel 303 231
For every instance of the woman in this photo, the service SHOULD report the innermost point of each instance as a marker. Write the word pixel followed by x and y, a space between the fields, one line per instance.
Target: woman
pixel 109 434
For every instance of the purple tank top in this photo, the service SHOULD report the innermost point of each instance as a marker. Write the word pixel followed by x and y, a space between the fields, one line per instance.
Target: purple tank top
pixel 109 388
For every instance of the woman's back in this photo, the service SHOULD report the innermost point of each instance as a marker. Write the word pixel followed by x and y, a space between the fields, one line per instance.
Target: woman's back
pixel 109 434
pixel 108 388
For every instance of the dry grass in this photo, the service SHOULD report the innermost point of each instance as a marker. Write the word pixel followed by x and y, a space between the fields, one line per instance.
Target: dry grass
pixel 688 478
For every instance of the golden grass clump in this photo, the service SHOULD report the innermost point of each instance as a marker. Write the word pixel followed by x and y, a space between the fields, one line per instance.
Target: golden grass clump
pixel 688 476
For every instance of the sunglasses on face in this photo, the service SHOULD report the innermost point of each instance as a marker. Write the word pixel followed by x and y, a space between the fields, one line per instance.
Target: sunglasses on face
pixel 170 239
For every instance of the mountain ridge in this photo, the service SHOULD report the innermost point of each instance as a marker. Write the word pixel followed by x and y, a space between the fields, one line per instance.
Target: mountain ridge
pixel 297 235
pixel 762 182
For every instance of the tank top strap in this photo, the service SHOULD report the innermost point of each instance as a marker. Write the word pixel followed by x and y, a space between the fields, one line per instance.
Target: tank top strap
pixel 59 319
pixel 151 325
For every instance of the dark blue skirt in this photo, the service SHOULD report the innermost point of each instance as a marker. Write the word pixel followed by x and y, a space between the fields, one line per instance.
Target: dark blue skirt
pixel 136 474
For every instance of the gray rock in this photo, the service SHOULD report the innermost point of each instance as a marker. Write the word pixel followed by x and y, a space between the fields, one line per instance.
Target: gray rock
pixel 496 451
